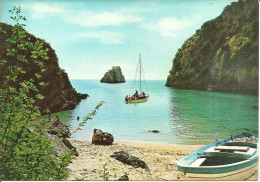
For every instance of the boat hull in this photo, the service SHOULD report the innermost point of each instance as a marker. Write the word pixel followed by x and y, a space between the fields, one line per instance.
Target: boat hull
pixel 237 175
pixel 136 101
pixel 236 171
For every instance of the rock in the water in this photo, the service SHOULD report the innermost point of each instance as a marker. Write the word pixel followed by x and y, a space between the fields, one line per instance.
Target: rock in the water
pixel 102 138
pixel 63 129
pixel 154 131
pixel 113 76
pixel 130 160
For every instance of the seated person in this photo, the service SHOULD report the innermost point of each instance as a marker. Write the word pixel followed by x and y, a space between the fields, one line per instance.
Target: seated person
pixel 126 98
pixel 142 96
pixel 56 122
pixel 136 94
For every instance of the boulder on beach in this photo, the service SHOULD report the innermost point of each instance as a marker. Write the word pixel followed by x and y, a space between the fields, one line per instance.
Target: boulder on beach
pixel 102 138
pixel 113 76
pixel 125 158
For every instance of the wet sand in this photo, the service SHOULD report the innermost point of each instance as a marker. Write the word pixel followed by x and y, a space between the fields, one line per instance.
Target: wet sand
pixel 160 158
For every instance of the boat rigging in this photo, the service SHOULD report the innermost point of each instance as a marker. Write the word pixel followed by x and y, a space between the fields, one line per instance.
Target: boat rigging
pixel 141 96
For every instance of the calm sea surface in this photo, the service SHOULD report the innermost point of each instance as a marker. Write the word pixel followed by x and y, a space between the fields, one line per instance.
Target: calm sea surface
pixel 181 116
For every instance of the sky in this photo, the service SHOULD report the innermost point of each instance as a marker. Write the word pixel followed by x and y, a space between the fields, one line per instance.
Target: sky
pixel 91 36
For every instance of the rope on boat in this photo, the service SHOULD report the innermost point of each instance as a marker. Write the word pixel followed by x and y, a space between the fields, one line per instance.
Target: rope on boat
pixel 135 79
pixel 135 76
pixel 144 82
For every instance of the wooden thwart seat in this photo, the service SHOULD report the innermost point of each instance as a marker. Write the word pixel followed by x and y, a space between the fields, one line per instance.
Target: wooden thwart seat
pixel 197 162
pixel 232 148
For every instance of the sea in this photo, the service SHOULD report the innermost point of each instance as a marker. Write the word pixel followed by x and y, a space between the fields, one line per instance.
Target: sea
pixel 180 116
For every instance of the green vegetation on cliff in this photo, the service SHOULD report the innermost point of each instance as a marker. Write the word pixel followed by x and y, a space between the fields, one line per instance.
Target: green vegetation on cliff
pixel 223 54
pixel 56 88
pixel 26 153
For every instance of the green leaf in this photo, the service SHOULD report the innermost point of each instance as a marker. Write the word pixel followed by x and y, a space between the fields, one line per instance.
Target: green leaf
pixel 39 96
pixel 37 75
pixel 11 89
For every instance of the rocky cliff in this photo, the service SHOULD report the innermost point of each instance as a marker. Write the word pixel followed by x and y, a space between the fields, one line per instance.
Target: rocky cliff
pixel 113 76
pixel 222 55
pixel 59 95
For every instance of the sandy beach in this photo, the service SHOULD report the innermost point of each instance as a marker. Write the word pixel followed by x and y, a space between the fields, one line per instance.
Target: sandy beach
pixel 160 158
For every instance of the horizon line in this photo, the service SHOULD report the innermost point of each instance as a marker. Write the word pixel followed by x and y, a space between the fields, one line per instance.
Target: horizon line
pixel 126 79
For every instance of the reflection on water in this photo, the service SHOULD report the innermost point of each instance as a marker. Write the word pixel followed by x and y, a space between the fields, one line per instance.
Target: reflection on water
pixel 181 116
pixel 197 115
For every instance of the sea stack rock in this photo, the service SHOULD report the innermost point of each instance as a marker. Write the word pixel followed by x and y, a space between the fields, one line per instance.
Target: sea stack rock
pixel 113 76
pixel 223 55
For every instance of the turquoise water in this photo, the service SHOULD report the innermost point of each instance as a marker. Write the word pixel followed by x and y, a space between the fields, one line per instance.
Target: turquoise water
pixel 181 116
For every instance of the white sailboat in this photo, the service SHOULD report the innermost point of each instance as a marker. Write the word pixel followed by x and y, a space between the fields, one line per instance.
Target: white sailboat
pixel 141 96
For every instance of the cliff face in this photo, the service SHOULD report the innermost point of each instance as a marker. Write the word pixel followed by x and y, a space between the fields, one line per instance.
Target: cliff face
pixel 113 76
pixel 59 95
pixel 223 54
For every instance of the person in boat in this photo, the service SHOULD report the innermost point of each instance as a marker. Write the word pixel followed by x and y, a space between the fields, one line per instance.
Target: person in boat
pixel 126 98
pixel 143 95
pixel 136 94
pixel 78 118
pixel 56 122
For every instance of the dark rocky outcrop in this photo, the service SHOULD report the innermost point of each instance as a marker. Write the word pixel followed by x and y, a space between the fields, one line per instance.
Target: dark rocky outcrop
pixel 58 135
pixel 113 76
pixel 124 157
pixel 59 95
pixel 102 138
pixel 61 145
pixel 70 146
pixel 61 129
pixel 222 55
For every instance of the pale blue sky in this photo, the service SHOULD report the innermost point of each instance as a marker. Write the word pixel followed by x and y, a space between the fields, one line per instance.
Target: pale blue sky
pixel 91 36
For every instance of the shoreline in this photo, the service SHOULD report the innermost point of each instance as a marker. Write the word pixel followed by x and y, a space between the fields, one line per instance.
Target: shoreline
pixel 160 158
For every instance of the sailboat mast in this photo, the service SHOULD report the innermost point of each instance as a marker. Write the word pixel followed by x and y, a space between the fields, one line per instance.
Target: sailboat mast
pixel 140 72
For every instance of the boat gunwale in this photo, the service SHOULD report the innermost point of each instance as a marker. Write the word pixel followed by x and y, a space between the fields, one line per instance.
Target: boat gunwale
pixel 145 99
pixel 197 153
pixel 224 166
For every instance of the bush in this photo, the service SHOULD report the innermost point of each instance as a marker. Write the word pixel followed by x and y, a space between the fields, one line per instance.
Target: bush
pixel 25 152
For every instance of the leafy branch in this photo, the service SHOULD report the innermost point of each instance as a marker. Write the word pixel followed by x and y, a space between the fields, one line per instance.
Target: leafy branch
pixel 88 117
